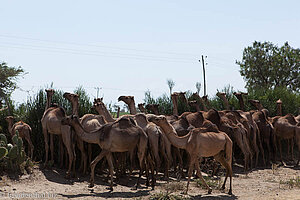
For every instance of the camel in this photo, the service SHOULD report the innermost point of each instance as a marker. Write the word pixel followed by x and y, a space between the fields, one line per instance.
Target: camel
pixel 256 104
pixel 222 96
pixel 266 129
pixel 120 136
pixel 51 123
pixel 174 98
pixel 142 108
pixel 151 129
pixel 279 107
pixel 194 104
pixel 129 100
pixel 24 132
pixel 239 96
pixel 200 101
pixel 235 132
pixel 100 107
pixel 90 122
pixel 153 108
pixel 200 143
pixel 286 127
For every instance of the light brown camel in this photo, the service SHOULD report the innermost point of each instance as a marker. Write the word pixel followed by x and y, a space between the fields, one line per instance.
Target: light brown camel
pixel 286 128
pixel 51 123
pixel 200 143
pixel 239 96
pixel 222 96
pixel 102 110
pixel 129 100
pixel 90 122
pixel 24 132
pixel 142 108
pixel 200 101
pixel 121 136
pixel 153 108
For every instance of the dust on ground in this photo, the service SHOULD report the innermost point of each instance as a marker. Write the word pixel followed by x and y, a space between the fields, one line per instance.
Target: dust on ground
pixel 277 183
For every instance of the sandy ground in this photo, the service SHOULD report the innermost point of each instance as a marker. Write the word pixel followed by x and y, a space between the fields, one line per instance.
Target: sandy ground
pixel 51 184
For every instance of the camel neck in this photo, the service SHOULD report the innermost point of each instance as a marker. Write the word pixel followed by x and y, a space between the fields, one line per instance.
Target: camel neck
pixel 92 137
pixel 179 142
pixel 10 125
pixel 225 101
pixel 75 108
pixel 200 101
pixel 48 103
pixel 132 108
pixel 241 102
pixel 175 108
pixel 103 111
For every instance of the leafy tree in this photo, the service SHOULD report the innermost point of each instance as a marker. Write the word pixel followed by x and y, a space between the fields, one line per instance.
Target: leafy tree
pixel 8 78
pixel 265 65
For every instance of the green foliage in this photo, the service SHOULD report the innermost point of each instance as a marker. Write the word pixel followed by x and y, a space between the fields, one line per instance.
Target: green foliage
pixel 265 65
pixel 3 152
pixel 211 182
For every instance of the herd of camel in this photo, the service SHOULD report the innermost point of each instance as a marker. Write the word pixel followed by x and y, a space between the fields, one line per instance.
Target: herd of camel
pixel 157 139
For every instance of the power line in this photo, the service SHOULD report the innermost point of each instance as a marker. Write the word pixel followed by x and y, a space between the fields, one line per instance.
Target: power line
pixel 92 45
pixel 92 54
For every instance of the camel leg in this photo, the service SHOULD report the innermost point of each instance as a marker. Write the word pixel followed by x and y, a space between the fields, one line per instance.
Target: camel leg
pixel 46 140
pixel 292 148
pixel 199 174
pixel 280 150
pixel 61 152
pixel 89 153
pixel 261 147
pixel 66 137
pixel 83 155
pixel 190 171
pixel 51 148
pixel 111 169
pixel 220 158
pixel 94 163
pixel 165 157
pixel 30 146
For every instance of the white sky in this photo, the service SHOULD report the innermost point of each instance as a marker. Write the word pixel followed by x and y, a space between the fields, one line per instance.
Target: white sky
pixel 128 47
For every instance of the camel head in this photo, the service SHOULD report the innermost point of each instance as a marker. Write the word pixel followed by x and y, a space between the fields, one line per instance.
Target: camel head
pixel 71 97
pixel 98 100
pixel 153 108
pixel 9 119
pixel 126 99
pixel 49 92
pixel 69 120
pixel 157 119
pixel 193 103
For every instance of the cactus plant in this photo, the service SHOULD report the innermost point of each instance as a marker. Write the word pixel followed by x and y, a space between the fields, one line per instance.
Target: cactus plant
pixel 3 138
pixel 3 152
pixel 13 153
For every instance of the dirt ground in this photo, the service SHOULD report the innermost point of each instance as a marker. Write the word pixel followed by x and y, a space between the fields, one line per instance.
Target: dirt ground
pixel 276 183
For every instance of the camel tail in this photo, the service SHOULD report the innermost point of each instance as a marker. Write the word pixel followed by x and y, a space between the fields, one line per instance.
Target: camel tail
pixel 228 149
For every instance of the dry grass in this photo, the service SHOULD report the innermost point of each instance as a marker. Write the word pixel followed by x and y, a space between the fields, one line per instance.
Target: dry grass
pixel 214 183
pixel 293 182
pixel 168 196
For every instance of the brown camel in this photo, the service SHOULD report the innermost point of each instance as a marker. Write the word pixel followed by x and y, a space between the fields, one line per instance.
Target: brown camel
pixel 222 96
pixel 194 104
pixel 286 128
pixel 279 107
pixel 200 101
pixel 142 108
pixel 100 107
pixel 239 96
pixel 129 100
pixel 51 123
pixel 24 132
pixel 121 136
pixel 200 143
pixel 235 132
pixel 256 104
pixel 153 108
pixel 90 122
pixel 174 98
pixel 266 130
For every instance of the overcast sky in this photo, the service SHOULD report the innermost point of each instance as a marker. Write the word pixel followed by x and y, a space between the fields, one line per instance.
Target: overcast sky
pixel 129 47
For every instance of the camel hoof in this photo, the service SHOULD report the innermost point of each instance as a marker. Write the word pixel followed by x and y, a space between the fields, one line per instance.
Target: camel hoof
pixel 67 175
pixel 209 191
pixel 91 185
pixel 230 192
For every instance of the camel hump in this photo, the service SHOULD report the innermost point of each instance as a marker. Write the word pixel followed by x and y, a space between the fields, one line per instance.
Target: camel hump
pixel 104 131
pixel 125 122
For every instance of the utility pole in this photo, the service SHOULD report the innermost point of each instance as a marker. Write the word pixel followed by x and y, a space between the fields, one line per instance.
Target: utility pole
pixel 204 80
